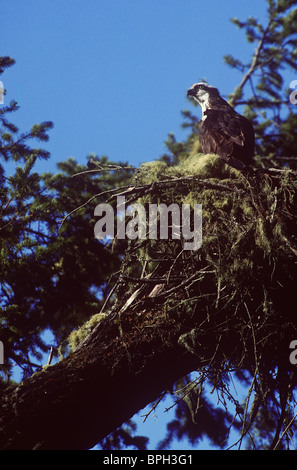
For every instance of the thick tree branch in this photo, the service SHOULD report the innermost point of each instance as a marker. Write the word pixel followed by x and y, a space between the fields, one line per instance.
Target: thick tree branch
pixel 80 400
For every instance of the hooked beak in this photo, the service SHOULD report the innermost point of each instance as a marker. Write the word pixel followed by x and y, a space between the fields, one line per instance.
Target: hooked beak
pixel 191 92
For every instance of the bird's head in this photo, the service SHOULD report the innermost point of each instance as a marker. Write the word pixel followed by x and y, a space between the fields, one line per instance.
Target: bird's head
pixel 203 94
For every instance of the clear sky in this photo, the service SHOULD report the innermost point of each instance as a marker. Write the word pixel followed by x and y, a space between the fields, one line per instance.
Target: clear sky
pixel 112 74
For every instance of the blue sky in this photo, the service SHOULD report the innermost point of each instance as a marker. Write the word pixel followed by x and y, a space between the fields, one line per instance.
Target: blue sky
pixel 112 74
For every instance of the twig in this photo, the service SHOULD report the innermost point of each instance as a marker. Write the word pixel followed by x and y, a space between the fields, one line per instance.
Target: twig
pixel 294 250
pixel 173 181
pixel 129 190
pixel 284 431
pixel 181 285
pixel 143 280
pixel 254 65
pixel 108 191
pixel 275 157
pixel 153 407
pixel 102 168
pixel 50 357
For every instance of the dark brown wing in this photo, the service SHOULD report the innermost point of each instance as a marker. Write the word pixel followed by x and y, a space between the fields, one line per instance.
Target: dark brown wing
pixel 227 134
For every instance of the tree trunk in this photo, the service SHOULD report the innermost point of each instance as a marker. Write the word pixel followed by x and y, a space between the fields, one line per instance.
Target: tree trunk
pixel 80 400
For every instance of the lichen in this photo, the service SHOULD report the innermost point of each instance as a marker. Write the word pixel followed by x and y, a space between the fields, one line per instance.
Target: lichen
pixel 247 258
pixel 76 336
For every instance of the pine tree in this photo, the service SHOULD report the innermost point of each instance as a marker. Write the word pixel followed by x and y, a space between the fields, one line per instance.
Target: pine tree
pixel 268 78
pixel 18 235
pixel 53 275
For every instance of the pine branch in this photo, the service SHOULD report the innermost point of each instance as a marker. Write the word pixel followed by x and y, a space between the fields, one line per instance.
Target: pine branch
pixel 253 67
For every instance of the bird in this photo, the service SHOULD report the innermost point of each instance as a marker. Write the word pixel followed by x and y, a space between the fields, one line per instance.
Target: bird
pixel 222 130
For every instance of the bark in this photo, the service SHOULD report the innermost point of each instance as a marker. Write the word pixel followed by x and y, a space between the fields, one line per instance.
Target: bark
pixel 115 372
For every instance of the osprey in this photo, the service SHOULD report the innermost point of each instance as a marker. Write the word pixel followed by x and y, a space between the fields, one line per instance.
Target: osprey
pixel 222 130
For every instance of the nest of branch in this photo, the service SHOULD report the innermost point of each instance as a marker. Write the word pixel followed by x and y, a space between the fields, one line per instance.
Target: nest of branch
pixel 234 298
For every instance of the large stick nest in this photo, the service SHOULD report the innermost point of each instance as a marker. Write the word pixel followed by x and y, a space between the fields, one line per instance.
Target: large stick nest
pixel 234 298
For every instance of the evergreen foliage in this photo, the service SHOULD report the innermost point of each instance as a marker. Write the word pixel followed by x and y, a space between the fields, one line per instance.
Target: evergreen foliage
pixel 268 77
pixel 263 94
pixel 51 276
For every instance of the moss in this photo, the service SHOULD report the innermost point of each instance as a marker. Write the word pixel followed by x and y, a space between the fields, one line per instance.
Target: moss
pixel 202 165
pixel 207 166
pixel 76 336
pixel 246 264
pixel 244 221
